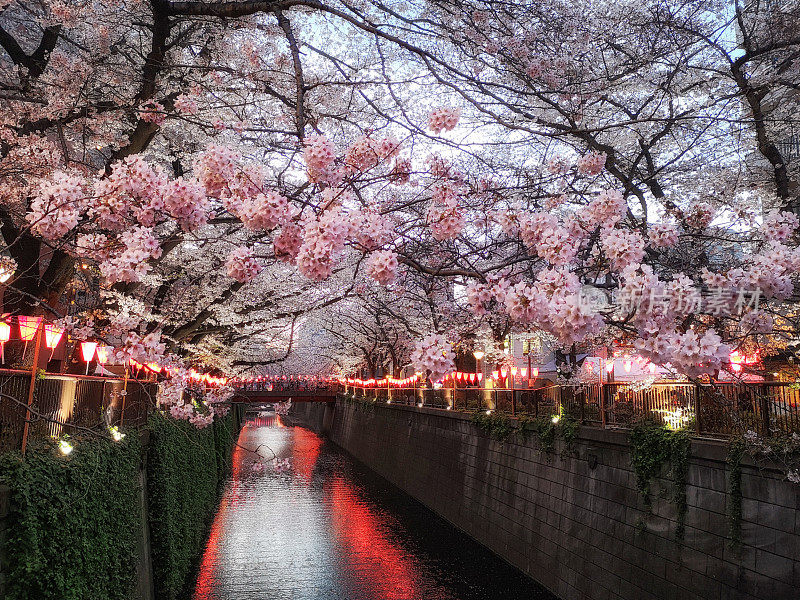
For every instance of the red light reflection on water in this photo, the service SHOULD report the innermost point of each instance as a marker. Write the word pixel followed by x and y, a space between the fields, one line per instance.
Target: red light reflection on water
pixel 305 452
pixel 381 567
pixel 207 571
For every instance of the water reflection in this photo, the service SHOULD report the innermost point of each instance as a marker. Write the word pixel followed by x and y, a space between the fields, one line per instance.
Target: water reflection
pixel 330 529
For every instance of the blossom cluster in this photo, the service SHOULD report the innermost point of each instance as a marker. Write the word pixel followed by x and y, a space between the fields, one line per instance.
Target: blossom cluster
pixel 241 265
pixel 382 266
pixel 434 356
pixel 443 119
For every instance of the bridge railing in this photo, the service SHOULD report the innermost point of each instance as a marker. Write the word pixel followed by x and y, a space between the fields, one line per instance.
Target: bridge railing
pixel 719 408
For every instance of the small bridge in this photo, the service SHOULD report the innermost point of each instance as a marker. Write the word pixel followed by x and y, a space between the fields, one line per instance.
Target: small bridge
pixel 262 396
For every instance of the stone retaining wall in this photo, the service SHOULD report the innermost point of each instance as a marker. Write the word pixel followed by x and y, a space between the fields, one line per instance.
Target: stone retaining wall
pixel 575 521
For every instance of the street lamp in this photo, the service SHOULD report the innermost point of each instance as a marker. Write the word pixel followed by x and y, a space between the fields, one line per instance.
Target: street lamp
pixel 478 354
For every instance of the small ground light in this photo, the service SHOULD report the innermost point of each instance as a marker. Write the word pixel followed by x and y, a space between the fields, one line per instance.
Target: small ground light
pixel 420 404
pixel 65 447
pixel 556 419
pixel 488 412
pixel 116 434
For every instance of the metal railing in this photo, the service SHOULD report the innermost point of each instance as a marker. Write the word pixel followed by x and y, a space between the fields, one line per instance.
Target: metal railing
pixel 66 404
pixel 719 408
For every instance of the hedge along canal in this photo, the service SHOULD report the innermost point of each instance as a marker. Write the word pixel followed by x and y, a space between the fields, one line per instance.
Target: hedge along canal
pixel 112 520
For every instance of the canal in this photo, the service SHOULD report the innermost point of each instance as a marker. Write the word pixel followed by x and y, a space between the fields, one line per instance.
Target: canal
pixel 330 529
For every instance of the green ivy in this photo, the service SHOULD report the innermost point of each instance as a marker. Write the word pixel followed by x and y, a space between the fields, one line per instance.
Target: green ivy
pixel 652 447
pixel 501 427
pixel 74 520
pixel 735 453
pixel 497 426
pixel 185 469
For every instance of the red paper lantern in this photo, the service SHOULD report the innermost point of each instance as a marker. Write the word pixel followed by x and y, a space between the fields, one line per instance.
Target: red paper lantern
pixel 480 377
pixel 28 327
pixel 535 372
pixel 88 350
pixel 102 354
pixel 5 335
pixel 52 335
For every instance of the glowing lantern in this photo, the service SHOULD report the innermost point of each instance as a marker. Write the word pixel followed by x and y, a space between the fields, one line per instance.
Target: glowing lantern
pixel 88 350
pixel 472 377
pixel 609 366
pixel 523 372
pixel 28 327
pixel 102 354
pixel 513 371
pixel 652 368
pixel 503 372
pixel 52 335
pixel 5 335
pixel 480 377
pixel 627 364
pixel 535 372
pixel 495 374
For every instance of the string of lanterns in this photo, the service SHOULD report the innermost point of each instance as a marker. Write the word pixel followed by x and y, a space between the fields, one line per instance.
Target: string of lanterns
pixel 90 350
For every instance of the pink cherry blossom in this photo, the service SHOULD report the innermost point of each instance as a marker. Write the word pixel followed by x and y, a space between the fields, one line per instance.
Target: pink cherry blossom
pixel 445 222
pixel 186 201
pixel 591 163
pixel 607 209
pixel 778 226
pixel 663 235
pixel 152 112
pixel 242 266
pixel 57 206
pixel 287 243
pixel 264 211
pixel 186 105
pixel 434 356
pixel 443 119
pixel 622 247
pixel 382 266
pixel 700 215
pixel 216 169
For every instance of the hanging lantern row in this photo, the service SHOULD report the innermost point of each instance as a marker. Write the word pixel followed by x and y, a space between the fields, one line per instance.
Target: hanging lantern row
pixel 90 350
pixel 387 381
pixel 282 378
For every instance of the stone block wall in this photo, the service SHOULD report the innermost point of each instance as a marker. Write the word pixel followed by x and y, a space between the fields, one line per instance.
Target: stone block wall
pixel 574 521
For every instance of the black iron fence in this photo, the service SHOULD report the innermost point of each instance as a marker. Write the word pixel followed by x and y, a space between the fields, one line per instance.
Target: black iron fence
pixel 711 409
pixel 54 405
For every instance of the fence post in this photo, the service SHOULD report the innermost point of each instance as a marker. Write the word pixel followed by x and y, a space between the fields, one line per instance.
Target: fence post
pixel 513 401
pixel 698 392
pixel 602 406
pixel 765 410
pixel 31 388
pixel 124 395
pixel 535 403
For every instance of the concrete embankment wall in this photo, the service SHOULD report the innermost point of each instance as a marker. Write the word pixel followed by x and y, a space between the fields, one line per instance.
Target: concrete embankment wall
pixel 574 521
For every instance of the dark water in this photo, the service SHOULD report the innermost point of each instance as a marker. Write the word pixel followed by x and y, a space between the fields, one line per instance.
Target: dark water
pixel 331 529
